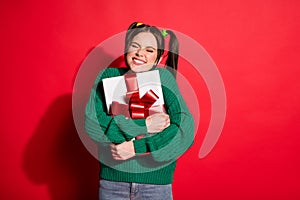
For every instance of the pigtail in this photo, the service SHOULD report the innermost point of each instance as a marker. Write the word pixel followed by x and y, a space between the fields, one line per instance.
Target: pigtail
pixel 172 60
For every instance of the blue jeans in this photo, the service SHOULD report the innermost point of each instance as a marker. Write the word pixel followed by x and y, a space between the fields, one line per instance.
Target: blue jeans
pixel 112 190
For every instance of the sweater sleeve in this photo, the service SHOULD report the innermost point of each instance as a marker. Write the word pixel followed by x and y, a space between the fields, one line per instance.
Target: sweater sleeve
pixel 179 136
pixel 102 127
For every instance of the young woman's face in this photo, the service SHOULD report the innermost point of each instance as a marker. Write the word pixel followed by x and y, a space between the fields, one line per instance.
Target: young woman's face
pixel 142 52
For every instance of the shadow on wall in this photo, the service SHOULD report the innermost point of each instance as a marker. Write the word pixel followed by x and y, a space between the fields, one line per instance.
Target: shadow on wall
pixel 56 157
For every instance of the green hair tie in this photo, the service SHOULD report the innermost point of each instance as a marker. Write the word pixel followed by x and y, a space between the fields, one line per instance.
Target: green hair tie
pixel 164 32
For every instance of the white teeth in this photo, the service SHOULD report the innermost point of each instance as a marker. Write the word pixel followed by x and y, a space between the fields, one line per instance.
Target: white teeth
pixel 139 61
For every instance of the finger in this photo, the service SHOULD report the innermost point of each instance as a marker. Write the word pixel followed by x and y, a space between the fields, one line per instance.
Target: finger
pixel 115 154
pixel 168 118
pixel 115 157
pixel 167 123
pixel 113 151
pixel 165 115
pixel 119 158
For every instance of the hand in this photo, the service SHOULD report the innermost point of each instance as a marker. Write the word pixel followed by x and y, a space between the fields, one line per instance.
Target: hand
pixel 157 122
pixel 122 151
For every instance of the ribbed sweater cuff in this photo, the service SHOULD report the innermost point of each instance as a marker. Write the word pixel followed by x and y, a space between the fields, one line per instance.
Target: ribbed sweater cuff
pixel 160 176
pixel 140 146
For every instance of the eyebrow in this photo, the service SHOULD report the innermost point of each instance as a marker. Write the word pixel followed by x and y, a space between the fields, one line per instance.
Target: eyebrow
pixel 140 45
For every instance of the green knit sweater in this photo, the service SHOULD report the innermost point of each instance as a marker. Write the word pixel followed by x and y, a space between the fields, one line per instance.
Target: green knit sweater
pixel 164 147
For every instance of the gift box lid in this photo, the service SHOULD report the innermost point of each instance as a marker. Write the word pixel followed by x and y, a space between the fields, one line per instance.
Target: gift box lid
pixel 115 87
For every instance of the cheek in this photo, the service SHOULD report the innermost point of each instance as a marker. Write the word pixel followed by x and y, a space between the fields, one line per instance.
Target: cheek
pixel 128 57
pixel 152 58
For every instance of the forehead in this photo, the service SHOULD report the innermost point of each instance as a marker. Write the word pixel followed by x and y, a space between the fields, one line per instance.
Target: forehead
pixel 145 39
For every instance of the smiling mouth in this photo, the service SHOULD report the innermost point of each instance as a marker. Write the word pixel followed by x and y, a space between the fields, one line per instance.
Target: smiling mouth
pixel 138 61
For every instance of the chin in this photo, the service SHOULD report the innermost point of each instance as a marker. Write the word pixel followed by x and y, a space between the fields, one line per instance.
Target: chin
pixel 140 68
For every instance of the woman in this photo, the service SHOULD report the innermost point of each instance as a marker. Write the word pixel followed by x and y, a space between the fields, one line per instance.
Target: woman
pixel 132 167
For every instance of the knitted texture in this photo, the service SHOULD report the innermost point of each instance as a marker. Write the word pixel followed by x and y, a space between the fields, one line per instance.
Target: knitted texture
pixel 164 147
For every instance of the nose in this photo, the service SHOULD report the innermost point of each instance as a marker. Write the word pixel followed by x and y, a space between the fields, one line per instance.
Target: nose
pixel 139 52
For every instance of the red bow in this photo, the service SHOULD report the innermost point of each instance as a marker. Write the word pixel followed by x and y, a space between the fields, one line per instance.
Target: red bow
pixel 137 108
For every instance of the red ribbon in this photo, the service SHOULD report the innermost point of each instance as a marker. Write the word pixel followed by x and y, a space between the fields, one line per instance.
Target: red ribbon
pixel 137 108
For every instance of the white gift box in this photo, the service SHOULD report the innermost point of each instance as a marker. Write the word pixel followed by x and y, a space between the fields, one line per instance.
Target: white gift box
pixel 115 88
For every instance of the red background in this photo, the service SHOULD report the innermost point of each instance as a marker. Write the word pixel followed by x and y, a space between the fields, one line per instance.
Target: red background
pixel 255 45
